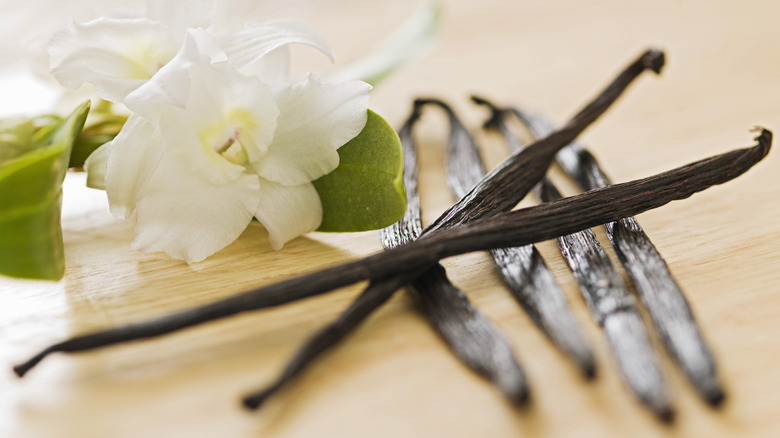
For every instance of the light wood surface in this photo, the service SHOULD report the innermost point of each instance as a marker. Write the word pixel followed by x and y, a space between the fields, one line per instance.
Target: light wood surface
pixel 394 377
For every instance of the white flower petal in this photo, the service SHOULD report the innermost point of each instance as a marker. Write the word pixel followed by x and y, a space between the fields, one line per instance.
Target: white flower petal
pixel 288 211
pixel 171 84
pixel 247 47
pixel 95 165
pixel 273 69
pixel 133 157
pixel 315 120
pixel 224 107
pixel 115 55
pixel 190 218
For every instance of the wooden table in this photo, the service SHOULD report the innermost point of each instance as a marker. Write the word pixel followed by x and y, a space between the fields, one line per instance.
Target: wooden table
pixel 394 377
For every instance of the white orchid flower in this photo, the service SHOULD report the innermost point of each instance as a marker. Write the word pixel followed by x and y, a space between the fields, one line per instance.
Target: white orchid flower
pixel 209 147
pixel 117 55
pixel 26 28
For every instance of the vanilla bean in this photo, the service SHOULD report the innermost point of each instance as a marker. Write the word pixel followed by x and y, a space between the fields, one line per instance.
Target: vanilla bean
pixel 660 293
pixel 376 294
pixel 537 156
pixel 470 336
pixel 615 310
pixel 473 339
pixel 516 228
pixel 611 304
pixel 522 268
pixel 510 181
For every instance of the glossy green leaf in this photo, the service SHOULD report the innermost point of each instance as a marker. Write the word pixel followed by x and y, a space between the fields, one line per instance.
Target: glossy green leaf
pixel 102 125
pixel 31 199
pixel 366 191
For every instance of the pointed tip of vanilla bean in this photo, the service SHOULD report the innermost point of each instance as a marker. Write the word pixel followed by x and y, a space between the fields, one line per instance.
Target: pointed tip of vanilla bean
pixel 590 371
pixel 422 101
pixel 253 402
pixel 471 336
pixel 520 398
pixel 654 59
pixel 415 114
pixel 666 415
pixel 717 399
pixel 22 369
pixel 637 362
pixel 496 113
pixel 764 138
pixel 373 297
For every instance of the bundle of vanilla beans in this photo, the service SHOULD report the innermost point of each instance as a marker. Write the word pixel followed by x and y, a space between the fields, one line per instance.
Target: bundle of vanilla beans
pixel 483 220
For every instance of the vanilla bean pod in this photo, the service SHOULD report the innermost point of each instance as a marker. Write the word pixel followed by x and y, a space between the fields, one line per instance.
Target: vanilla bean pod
pixel 611 304
pixel 473 339
pixel 376 294
pixel 470 336
pixel 492 194
pixel 660 293
pixel 510 181
pixel 522 268
pixel 516 228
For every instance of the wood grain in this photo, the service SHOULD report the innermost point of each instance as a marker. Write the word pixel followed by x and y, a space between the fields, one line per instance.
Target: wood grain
pixel 394 377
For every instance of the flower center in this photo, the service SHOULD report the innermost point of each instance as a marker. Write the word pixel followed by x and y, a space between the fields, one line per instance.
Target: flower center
pixel 227 139
pixel 145 59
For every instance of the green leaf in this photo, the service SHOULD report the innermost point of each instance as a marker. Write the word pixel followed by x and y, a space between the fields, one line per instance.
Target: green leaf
pixel 84 147
pixel 15 136
pixel 366 191
pixel 102 126
pixel 31 199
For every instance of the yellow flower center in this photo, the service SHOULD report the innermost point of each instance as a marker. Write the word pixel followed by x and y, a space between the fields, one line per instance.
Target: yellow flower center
pixel 145 59
pixel 226 139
